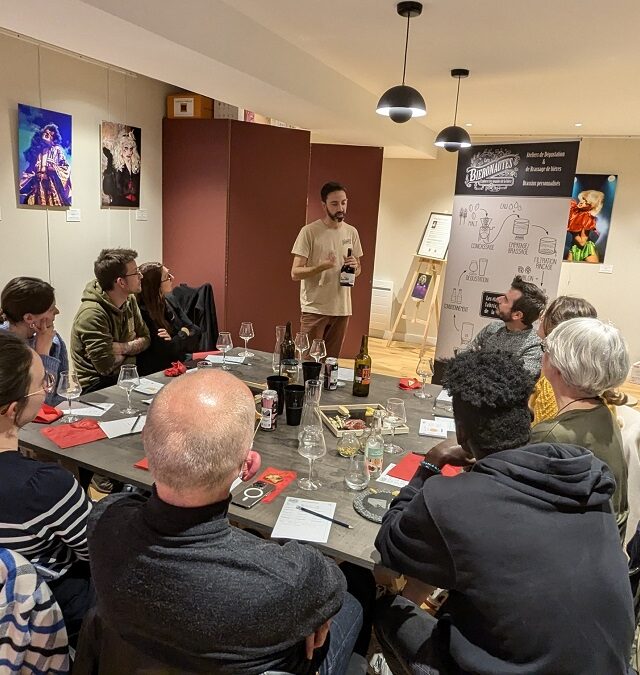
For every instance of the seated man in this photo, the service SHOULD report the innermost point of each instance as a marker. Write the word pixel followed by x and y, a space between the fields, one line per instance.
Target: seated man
pixel 525 542
pixel 518 309
pixel 108 329
pixel 176 580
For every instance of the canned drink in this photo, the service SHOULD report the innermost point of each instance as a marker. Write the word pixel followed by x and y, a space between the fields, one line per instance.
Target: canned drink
pixel 331 373
pixel 269 410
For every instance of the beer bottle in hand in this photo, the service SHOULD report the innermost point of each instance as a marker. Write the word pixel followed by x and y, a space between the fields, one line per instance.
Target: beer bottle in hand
pixel 348 273
pixel 362 369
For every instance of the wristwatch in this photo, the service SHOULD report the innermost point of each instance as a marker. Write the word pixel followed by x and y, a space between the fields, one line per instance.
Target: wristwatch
pixel 424 464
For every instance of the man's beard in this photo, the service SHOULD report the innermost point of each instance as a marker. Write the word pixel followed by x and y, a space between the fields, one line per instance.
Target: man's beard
pixel 338 216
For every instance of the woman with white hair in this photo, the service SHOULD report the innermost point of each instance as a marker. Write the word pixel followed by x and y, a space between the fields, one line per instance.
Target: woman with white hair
pixel 583 358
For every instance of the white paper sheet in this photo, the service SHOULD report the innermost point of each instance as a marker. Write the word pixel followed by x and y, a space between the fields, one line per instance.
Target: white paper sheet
pixel 295 524
pixel 448 422
pixel 148 386
pixel 345 374
pixel 443 397
pixel 390 480
pixel 432 428
pixel 84 410
pixel 217 358
pixel 122 427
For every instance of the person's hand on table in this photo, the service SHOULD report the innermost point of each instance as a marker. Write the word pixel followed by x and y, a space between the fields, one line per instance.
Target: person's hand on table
pixel 162 333
pixel 251 466
pixel 317 638
pixel 449 452
pixel 44 333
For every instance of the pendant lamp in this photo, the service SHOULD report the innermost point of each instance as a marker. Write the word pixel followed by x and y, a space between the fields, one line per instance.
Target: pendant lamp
pixel 402 102
pixel 455 138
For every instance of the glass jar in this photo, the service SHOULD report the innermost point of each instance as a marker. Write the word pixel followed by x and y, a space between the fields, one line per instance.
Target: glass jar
pixel 348 444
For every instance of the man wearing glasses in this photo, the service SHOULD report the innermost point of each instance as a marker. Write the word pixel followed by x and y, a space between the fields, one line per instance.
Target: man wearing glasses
pixel 108 329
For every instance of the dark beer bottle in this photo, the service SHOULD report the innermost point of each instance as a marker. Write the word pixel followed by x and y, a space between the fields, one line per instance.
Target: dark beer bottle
pixel 348 273
pixel 288 347
pixel 362 369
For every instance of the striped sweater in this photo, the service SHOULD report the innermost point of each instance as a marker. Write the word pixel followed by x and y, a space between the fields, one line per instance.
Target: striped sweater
pixel 43 513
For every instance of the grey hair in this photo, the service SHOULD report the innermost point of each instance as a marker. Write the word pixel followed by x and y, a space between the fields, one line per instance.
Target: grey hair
pixel 589 354
pixel 204 453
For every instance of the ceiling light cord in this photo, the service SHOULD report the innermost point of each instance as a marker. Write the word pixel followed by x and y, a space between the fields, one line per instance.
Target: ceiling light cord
pixel 455 115
pixel 406 47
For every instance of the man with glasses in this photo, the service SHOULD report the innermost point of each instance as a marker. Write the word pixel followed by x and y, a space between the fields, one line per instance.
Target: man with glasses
pixel 108 329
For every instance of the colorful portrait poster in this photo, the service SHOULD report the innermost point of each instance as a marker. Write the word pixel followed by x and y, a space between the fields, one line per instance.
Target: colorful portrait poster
pixel 419 292
pixel 589 222
pixel 44 157
pixel 120 164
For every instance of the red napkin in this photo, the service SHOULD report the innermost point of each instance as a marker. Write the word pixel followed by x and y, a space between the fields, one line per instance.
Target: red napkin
pixel 407 466
pixel 76 433
pixel 409 383
pixel 279 478
pixel 200 356
pixel 47 414
pixel 177 368
pixel 142 464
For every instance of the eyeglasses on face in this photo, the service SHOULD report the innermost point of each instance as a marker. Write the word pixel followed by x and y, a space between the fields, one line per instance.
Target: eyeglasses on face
pixel 169 277
pixel 48 387
pixel 137 273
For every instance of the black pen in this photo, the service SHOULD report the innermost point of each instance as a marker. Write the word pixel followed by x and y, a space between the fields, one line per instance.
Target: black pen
pixel 92 405
pixel 135 423
pixel 321 515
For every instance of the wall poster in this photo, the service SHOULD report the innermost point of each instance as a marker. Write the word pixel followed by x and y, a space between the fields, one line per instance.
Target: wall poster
pixel 44 157
pixel 589 221
pixel 120 164
pixel 509 218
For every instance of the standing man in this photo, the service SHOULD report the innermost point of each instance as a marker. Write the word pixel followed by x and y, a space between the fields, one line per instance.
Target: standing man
pixel 320 251
pixel 108 329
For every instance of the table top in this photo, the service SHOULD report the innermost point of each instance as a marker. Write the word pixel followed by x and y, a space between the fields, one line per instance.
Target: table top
pixel 116 457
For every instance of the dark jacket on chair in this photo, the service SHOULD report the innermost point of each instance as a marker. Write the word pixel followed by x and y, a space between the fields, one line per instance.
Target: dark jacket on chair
pixel 200 306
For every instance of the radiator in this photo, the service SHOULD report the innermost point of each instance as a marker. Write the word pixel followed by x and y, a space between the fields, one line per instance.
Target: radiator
pixel 381 305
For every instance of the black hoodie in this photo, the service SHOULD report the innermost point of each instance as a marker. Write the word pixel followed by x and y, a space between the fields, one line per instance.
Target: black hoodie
pixel 528 547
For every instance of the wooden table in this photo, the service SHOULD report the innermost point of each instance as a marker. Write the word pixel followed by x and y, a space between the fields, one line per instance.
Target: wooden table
pixel 115 457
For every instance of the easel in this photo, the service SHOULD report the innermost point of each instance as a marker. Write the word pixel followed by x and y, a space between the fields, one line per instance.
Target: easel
pixel 434 268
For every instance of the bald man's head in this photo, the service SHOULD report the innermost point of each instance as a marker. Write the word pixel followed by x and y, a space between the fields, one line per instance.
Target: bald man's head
pixel 199 430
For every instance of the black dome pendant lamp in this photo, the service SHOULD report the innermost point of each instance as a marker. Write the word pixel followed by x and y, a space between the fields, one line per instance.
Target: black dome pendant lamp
pixel 402 102
pixel 455 138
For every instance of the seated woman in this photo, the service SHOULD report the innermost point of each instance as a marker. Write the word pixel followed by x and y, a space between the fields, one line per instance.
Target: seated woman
pixel 583 358
pixel 173 336
pixel 44 509
pixel 28 311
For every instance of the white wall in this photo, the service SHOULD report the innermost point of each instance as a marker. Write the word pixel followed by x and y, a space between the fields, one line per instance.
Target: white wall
pixel 412 188
pixel 39 242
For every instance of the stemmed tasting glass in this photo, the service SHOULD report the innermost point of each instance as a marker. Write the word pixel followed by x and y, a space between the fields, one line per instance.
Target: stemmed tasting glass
pixel 424 369
pixel 302 344
pixel 246 334
pixel 224 344
pixel 69 388
pixel 396 416
pixel 128 380
pixel 318 349
pixel 311 446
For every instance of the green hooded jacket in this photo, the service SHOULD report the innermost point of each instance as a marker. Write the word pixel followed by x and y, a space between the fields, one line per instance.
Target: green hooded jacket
pixel 97 325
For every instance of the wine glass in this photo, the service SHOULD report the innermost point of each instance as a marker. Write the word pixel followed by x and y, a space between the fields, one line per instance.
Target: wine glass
pixel 246 333
pixel 318 349
pixel 302 344
pixel 424 369
pixel 224 344
pixel 396 416
pixel 311 446
pixel 128 380
pixel 69 388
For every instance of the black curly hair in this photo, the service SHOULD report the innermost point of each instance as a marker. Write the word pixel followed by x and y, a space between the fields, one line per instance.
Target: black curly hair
pixel 490 391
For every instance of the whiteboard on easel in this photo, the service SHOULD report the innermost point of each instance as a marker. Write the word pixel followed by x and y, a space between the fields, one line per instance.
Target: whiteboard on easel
pixel 436 235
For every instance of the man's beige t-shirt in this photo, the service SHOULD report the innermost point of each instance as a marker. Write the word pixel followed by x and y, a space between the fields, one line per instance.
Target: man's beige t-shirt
pixel 322 293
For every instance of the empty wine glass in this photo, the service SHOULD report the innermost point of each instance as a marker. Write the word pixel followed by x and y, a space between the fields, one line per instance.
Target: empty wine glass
pixel 302 344
pixel 396 416
pixel 224 344
pixel 246 333
pixel 128 380
pixel 69 388
pixel 318 349
pixel 311 446
pixel 424 369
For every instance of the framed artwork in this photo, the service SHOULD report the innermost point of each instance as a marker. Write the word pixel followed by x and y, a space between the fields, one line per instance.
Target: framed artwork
pixel 121 164
pixel 44 157
pixel 421 287
pixel 589 221
pixel 435 238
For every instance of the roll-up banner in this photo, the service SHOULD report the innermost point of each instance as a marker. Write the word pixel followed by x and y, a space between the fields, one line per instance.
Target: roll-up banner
pixel 509 218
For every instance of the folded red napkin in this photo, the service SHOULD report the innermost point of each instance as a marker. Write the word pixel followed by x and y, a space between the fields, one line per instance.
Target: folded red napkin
pixel 279 478
pixel 177 368
pixel 142 464
pixel 409 383
pixel 199 356
pixel 76 433
pixel 47 414
pixel 407 466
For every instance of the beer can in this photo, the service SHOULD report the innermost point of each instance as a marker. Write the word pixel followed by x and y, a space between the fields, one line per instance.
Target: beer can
pixel 269 410
pixel 331 373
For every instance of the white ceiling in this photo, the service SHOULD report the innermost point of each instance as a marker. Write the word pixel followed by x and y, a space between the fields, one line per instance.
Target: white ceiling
pixel 537 68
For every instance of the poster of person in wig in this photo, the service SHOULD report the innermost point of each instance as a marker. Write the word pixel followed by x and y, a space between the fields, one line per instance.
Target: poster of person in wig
pixel 120 164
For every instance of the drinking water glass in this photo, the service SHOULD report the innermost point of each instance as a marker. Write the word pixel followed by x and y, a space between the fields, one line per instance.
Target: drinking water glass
pixel 128 380
pixel 224 344
pixel 357 474
pixel 246 334
pixel 69 388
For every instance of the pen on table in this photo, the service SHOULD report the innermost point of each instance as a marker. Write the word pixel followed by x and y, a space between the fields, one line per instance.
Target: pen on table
pixel 135 423
pixel 92 405
pixel 321 515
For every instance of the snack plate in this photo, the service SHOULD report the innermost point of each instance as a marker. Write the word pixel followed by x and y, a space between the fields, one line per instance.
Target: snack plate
pixel 355 411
